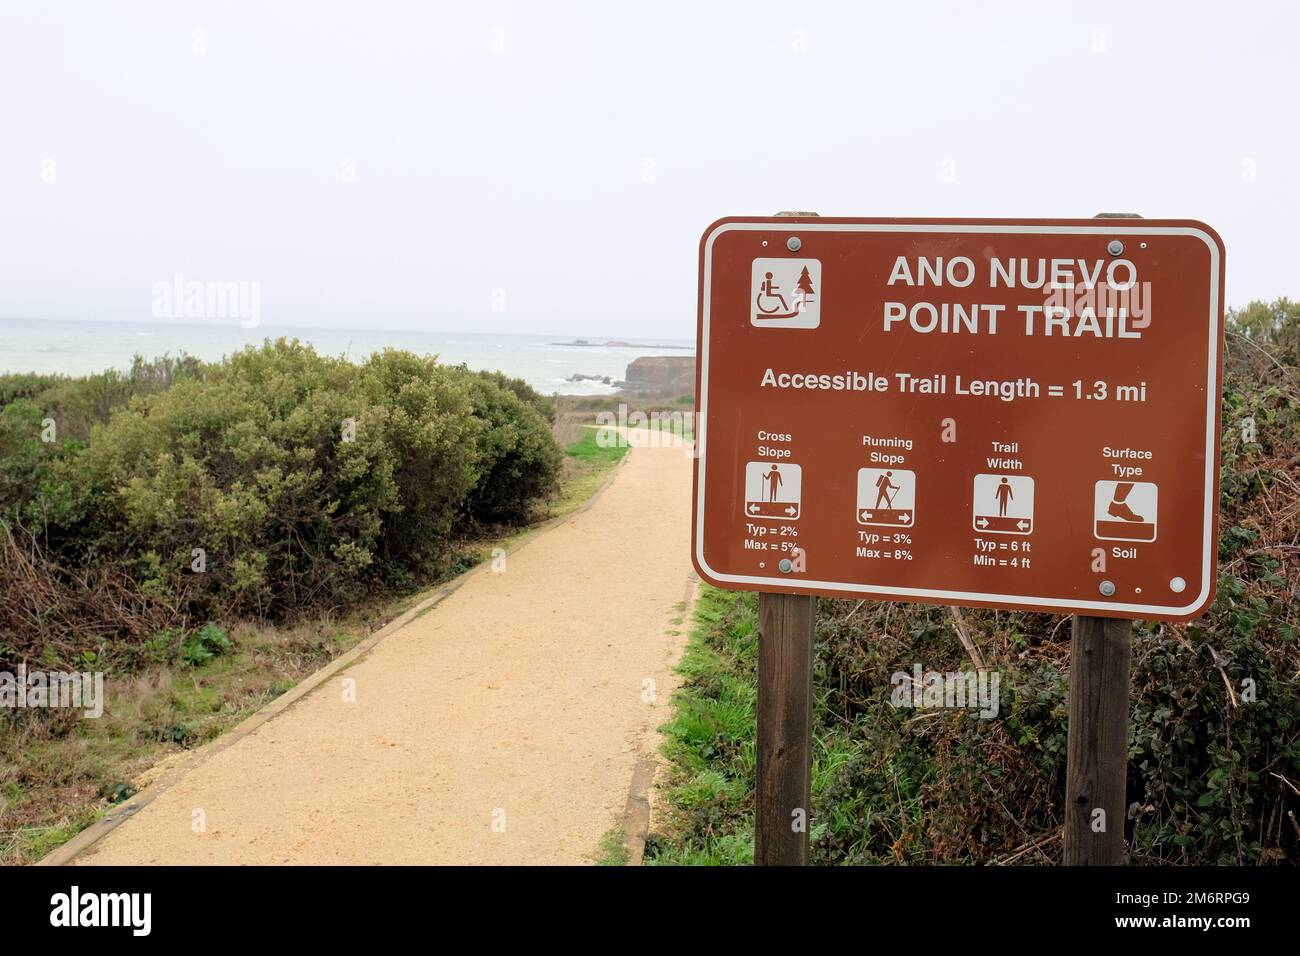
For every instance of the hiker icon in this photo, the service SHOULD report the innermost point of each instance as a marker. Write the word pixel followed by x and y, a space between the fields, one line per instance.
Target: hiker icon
pixel 1125 510
pixel 886 497
pixel 773 479
pixel 772 491
pixel 885 486
pixel 1003 504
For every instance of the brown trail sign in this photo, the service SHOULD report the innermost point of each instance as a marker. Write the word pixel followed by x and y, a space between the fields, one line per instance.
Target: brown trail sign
pixel 997 413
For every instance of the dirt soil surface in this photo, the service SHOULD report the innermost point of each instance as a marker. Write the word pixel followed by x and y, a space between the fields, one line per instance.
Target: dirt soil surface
pixel 502 726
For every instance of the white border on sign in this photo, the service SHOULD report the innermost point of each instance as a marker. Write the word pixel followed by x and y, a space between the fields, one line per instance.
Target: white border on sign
pixel 958 597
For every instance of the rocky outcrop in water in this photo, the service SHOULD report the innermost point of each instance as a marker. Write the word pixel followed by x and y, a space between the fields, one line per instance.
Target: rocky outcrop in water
pixel 662 373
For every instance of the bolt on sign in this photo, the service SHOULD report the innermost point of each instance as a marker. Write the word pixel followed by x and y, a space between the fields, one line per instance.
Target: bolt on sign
pixel 1018 413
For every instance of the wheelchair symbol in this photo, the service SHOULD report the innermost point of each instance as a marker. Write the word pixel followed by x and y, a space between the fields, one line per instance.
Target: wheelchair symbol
pixel 770 292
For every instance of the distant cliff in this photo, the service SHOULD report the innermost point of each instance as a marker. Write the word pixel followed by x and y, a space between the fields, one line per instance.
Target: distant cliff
pixel 662 373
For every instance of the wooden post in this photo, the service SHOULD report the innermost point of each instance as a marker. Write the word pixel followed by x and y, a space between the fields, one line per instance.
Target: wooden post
pixel 1096 750
pixel 1097 746
pixel 783 791
pixel 784 788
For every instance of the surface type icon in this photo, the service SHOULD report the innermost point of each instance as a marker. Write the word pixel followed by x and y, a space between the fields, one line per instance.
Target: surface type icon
pixel 1003 504
pixel 1124 510
pixel 772 490
pixel 886 497
pixel 785 293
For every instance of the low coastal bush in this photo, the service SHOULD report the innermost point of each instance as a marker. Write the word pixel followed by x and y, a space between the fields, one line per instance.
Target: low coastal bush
pixel 518 457
pixel 273 482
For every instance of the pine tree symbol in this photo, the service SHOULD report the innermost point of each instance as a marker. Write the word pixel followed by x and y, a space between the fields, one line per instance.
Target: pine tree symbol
pixel 805 284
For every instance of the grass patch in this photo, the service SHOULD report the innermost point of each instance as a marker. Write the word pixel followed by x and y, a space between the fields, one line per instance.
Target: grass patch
pixel 596 446
pixel 710 740
pixel 59 772
pixel 587 466
pixel 612 851
pixel 886 787
pixel 894 785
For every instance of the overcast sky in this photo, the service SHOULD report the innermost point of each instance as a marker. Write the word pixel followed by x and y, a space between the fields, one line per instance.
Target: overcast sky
pixel 394 165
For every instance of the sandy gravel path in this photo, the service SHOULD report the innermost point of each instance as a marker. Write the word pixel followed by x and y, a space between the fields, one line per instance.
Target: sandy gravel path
pixel 502 726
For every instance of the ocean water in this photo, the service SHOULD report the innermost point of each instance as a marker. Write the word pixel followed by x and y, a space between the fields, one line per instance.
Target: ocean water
pixel 79 348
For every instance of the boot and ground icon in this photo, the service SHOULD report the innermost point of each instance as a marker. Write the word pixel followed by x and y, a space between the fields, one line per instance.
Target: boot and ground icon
pixel 1125 510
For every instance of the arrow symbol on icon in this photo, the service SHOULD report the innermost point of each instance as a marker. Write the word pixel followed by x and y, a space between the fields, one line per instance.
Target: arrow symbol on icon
pixel 866 516
pixel 1023 525
pixel 791 510
pixel 905 518
pixel 983 522
pixel 753 509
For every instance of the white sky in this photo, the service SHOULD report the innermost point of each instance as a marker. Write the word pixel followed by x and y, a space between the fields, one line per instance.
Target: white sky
pixel 572 154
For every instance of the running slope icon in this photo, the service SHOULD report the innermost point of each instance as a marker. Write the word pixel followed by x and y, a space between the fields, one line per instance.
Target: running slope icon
pixel 887 497
pixel 1003 504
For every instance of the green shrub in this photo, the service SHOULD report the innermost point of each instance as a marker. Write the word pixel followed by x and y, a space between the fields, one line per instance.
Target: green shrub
pixel 519 458
pixel 201 646
pixel 24 459
pixel 544 404
pixel 78 404
pixel 423 415
pixel 272 482
pixel 302 479
pixel 16 385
